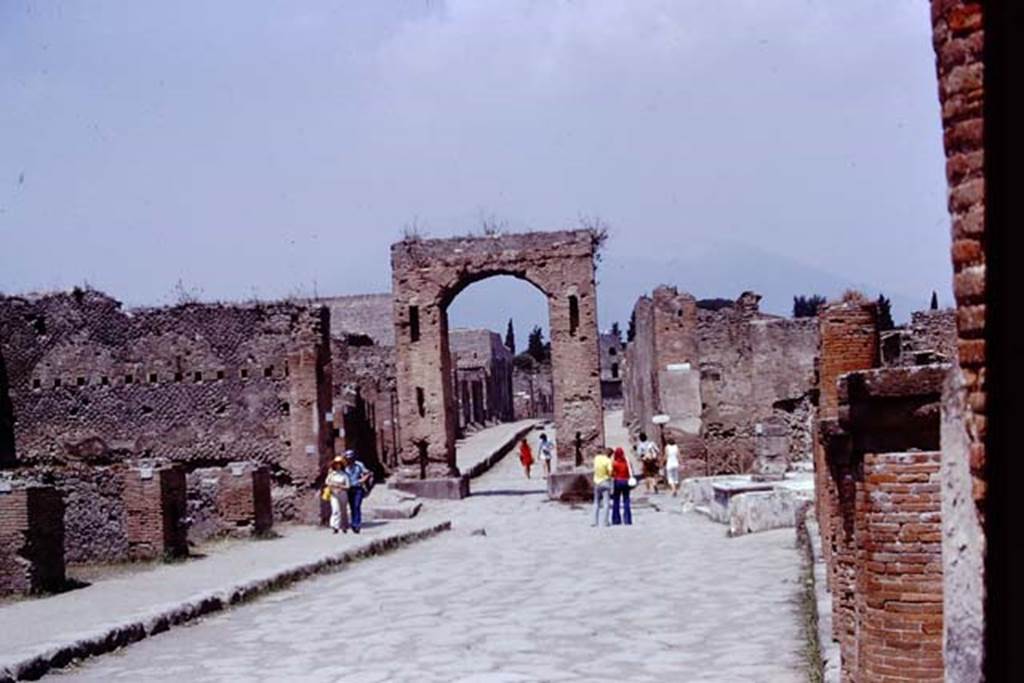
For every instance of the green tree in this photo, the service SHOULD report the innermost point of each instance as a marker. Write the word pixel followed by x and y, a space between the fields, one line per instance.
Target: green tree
pixel 631 329
pixel 617 332
pixel 807 306
pixel 536 347
pixel 510 338
pixel 935 301
pixel 885 321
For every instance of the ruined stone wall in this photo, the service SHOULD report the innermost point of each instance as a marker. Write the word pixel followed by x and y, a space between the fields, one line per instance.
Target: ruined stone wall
pixel 718 371
pixel 365 403
pixel 362 314
pixel 480 356
pixel 93 386
pixel 958 39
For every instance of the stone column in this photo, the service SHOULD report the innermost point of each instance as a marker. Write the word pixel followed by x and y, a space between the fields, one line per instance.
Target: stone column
pixel 576 360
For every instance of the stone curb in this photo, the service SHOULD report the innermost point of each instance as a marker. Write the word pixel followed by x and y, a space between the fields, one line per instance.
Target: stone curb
pixel 828 649
pixel 495 457
pixel 55 656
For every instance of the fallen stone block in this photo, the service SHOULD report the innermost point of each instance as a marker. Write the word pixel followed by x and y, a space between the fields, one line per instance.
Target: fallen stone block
pixel 575 486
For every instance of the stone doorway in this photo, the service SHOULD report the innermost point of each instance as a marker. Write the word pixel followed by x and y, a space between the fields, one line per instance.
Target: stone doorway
pixel 427 275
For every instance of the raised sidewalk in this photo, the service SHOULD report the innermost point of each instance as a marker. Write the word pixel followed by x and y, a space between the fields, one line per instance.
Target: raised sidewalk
pixel 50 632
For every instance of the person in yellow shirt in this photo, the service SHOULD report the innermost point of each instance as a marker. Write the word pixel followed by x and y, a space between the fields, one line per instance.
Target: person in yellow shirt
pixel 602 488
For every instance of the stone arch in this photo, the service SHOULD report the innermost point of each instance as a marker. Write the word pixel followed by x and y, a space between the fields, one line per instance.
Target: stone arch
pixel 427 275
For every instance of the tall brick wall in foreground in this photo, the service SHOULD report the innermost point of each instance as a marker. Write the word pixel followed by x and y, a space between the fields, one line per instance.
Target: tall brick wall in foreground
pixel 31 540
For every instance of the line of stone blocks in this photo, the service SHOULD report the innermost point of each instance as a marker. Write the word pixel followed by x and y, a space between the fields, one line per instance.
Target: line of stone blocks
pixel 31 539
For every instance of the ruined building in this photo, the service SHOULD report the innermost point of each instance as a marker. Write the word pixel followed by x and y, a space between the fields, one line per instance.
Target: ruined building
pixel 612 357
pixel 483 378
pixel 196 400
pixel 718 371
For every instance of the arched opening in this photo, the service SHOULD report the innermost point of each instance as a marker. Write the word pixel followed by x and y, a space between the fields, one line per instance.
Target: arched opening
pixel 500 353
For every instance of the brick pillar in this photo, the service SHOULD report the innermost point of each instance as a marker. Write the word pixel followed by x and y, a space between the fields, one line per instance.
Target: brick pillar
pixel 899 601
pixel 31 539
pixel 155 511
pixel 848 339
pixel 243 497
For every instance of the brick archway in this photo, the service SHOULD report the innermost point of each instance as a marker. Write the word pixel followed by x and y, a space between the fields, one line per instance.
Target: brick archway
pixel 427 275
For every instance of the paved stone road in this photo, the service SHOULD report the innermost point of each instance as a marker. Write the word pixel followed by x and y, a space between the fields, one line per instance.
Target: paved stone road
pixel 541 597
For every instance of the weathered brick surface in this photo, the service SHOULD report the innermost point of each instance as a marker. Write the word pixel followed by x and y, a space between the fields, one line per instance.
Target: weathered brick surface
pixel 31 540
pixel 92 385
pixel 899 582
pixel 483 378
pixel 749 368
pixel 156 508
pixel 428 274
pixel 959 42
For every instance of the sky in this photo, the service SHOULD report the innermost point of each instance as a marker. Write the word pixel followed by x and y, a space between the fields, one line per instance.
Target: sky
pixel 254 149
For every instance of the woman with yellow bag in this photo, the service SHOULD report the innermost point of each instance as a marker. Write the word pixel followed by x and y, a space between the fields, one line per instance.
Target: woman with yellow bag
pixel 336 491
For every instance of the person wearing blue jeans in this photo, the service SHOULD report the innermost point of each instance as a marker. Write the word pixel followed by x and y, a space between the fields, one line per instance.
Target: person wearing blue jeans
pixel 620 488
pixel 602 488
pixel 357 475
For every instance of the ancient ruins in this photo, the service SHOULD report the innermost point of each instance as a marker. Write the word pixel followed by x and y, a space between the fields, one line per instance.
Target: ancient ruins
pixel 134 434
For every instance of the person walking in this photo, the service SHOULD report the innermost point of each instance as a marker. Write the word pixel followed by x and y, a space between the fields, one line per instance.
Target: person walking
pixel 602 488
pixel 547 451
pixel 358 476
pixel 648 454
pixel 621 474
pixel 672 465
pixel 526 456
pixel 336 491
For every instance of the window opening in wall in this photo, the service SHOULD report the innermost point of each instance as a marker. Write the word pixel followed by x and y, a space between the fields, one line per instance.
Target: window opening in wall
pixel 615 370
pixel 37 383
pixel 152 378
pixel 414 323
pixel 612 352
pixel 421 402
pixel 146 410
pixel 105 381
pixel 56 383
pixel 129 379
pixel 197 376
pixel 286 369
pixel 244 373
pixel 574 314
pixel 220 374
pixel 268 371
pixel 421 446
pixel 286 408
pixel 80 381
pixel 179 376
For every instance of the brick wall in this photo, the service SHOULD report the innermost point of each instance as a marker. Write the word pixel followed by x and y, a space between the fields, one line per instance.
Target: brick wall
pixel 31 540
pixel 155 501
pixel 899 597
pixel 243 499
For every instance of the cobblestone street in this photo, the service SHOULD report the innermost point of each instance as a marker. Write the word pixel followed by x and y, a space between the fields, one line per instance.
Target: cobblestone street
pixel 521 590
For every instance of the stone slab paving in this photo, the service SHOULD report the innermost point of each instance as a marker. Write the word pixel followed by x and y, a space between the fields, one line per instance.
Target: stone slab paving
pixel 522 589
pixel 479 451
pixel 38 633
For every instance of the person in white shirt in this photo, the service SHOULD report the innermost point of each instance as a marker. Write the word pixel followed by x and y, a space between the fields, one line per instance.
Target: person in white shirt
pixel 648 454
pixel 337 483
pixel 547 451
pixel 672 465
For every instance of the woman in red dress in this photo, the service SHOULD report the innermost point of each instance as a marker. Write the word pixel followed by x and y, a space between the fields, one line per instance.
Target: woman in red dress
pixel 526 457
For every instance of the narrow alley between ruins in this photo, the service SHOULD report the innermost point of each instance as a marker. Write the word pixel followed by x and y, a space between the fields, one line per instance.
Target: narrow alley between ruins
pixel 521 589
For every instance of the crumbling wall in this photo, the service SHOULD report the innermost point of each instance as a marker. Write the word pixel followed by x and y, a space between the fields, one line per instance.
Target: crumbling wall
pixel 958 39
pixel 92 385
pixel 718 369
pixel 366 403
pixel 483 377
pixel 31 539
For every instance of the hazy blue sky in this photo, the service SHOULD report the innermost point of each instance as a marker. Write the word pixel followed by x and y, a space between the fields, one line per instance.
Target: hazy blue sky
pixel 268 148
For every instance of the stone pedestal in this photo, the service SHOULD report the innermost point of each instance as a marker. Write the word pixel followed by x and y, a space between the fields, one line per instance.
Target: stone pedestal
pixel 31 539
pixel 771 445
pixel 447 488
pixel 243 498
pixel 574 486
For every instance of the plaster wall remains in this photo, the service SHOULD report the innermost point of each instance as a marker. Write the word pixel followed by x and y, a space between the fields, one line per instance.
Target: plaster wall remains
pixel 958 40
pixel 718 369
pixel 361 314
pixel 429 274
